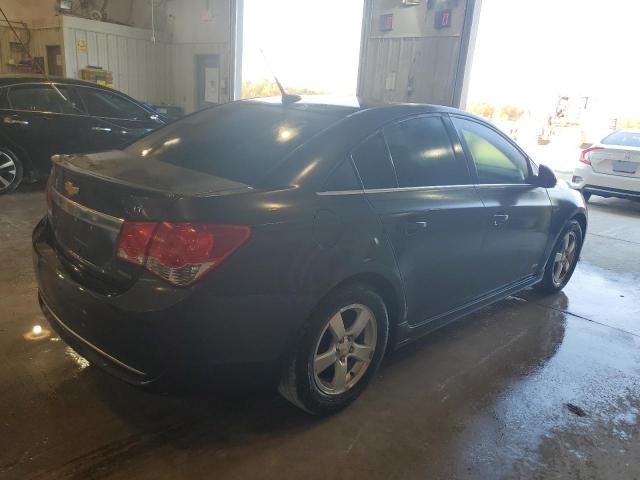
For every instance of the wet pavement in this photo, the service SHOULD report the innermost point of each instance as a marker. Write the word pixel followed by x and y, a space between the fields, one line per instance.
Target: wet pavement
pixel 532 387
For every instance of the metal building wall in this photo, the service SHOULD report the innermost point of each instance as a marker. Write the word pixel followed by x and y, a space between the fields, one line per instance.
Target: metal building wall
pixel 140 67
pixel 42 33
pixel 413 61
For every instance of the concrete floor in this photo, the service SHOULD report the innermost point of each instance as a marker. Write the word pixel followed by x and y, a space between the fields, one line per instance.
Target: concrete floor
pixel 532 387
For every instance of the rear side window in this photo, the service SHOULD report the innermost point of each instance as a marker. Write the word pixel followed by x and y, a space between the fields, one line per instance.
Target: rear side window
pixel 422 154
pixel 497 160
pixel 343 178
pixel 373 163
pixel 38 98
pixel 627 139
pixel 239 141
pixel 101 103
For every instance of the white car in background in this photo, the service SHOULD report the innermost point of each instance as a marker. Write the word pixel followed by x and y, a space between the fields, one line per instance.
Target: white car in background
pixel 610 168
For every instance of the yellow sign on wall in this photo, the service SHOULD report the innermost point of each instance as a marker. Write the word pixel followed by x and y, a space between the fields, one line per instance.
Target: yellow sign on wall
pixel 81 45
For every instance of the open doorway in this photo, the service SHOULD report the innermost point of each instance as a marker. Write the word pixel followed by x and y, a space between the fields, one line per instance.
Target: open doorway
pixel 54 60
pixel 560 89
pixel 313 47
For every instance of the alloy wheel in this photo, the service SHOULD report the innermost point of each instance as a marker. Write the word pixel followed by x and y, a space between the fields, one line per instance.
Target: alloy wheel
pixel 564 258
pixel 344 349
pixel 8 170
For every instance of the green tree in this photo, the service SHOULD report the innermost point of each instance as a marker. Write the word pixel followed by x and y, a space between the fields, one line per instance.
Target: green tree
pixel 266 88
pixel 483 109
pixel 511 112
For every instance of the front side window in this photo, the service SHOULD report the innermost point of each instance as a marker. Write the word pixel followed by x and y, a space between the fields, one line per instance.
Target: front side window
pixel 497 161
pixel 70 96
pixel 38 98
pixel 374 166
pixel 422 153
pixel 101 103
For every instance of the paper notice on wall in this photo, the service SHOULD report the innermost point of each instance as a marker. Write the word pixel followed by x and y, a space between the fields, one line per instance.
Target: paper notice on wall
pixel 212 84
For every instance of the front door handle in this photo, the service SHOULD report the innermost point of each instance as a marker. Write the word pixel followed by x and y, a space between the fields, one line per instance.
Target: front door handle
pixel 500 219
pixel 101 129
pixel 13 120
pixel 414 227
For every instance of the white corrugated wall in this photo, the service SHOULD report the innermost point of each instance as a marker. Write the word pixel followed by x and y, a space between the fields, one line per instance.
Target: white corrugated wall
pixel 140 67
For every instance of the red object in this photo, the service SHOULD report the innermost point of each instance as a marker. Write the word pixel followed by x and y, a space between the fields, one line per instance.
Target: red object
pixel 179 253
pixel 584 156
pixel 386 22
pixel 443 19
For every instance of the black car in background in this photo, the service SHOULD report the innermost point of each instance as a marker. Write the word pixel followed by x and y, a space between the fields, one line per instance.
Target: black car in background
pixel 301 239
pixel 40 117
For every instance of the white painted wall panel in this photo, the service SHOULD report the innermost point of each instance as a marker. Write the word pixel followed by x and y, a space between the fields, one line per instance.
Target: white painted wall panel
pixel 139 66
pixel 112 55
pixel 92 49
pixel 103 57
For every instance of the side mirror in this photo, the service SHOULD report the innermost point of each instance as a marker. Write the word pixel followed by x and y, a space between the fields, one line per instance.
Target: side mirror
pixel 545 178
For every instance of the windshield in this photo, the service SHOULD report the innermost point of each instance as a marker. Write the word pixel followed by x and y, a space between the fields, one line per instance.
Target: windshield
pixel 627 139
pixel 239 141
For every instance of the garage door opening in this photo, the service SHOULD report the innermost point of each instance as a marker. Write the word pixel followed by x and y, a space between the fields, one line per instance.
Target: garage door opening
pixel 556 76
pixel 312 47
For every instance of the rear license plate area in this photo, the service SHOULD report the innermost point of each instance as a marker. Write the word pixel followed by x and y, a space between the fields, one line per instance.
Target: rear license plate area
pixel 82 239
pixel 620 166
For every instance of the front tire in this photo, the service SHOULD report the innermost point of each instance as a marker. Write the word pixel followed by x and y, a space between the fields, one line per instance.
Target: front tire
pixel 339 351
pixel 563 259
pixel 586 196
pixel 11 171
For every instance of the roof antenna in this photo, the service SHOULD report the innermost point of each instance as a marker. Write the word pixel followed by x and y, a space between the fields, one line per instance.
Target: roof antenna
pixel 286 98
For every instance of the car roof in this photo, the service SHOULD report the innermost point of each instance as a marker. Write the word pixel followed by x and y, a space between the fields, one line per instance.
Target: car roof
pixel 628 130
pixel 6 80
pixel 348 105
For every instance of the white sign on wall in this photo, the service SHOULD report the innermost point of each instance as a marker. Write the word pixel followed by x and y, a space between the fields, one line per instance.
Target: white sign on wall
pixel 212 84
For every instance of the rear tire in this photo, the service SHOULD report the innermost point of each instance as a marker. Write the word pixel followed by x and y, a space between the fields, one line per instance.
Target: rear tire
pixel 331 365
pixel 563 259
pixel 11 171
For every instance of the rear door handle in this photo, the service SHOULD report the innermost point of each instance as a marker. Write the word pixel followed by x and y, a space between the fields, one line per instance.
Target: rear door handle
pixel 101 129
pixel 415 227
pixel 14 120
pixel 500 219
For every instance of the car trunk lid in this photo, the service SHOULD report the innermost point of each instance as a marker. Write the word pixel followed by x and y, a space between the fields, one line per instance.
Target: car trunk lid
pixel 616 160
pixel 90 196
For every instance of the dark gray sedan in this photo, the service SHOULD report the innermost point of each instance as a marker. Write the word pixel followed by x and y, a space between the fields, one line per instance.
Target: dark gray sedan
pixel 302 239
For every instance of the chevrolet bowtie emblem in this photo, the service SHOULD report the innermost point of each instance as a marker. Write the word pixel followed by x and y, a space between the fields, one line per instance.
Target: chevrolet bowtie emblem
pixel 70 189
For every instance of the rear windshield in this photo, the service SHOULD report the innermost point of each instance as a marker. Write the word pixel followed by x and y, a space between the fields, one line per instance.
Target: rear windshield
pixel 240 141
pixel 627 139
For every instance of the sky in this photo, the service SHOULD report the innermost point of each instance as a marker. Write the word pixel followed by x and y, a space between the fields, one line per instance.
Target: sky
pixel 530 52
pixel 309 43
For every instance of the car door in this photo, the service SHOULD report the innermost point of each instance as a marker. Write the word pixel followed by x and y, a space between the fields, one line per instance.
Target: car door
pixel 424 197
pixel 43 121
pixel 518 213
pixel 114 120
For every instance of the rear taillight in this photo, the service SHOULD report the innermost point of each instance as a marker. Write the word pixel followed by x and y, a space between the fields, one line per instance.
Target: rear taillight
pixel 180 253
pixel 584 156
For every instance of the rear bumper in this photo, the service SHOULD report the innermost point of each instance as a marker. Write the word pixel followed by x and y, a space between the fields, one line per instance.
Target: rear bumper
pixel 91 352
pixel 587 180
pixel 153 331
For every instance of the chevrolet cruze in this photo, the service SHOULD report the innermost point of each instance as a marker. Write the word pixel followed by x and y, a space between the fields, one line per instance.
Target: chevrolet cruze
pixel 303 238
